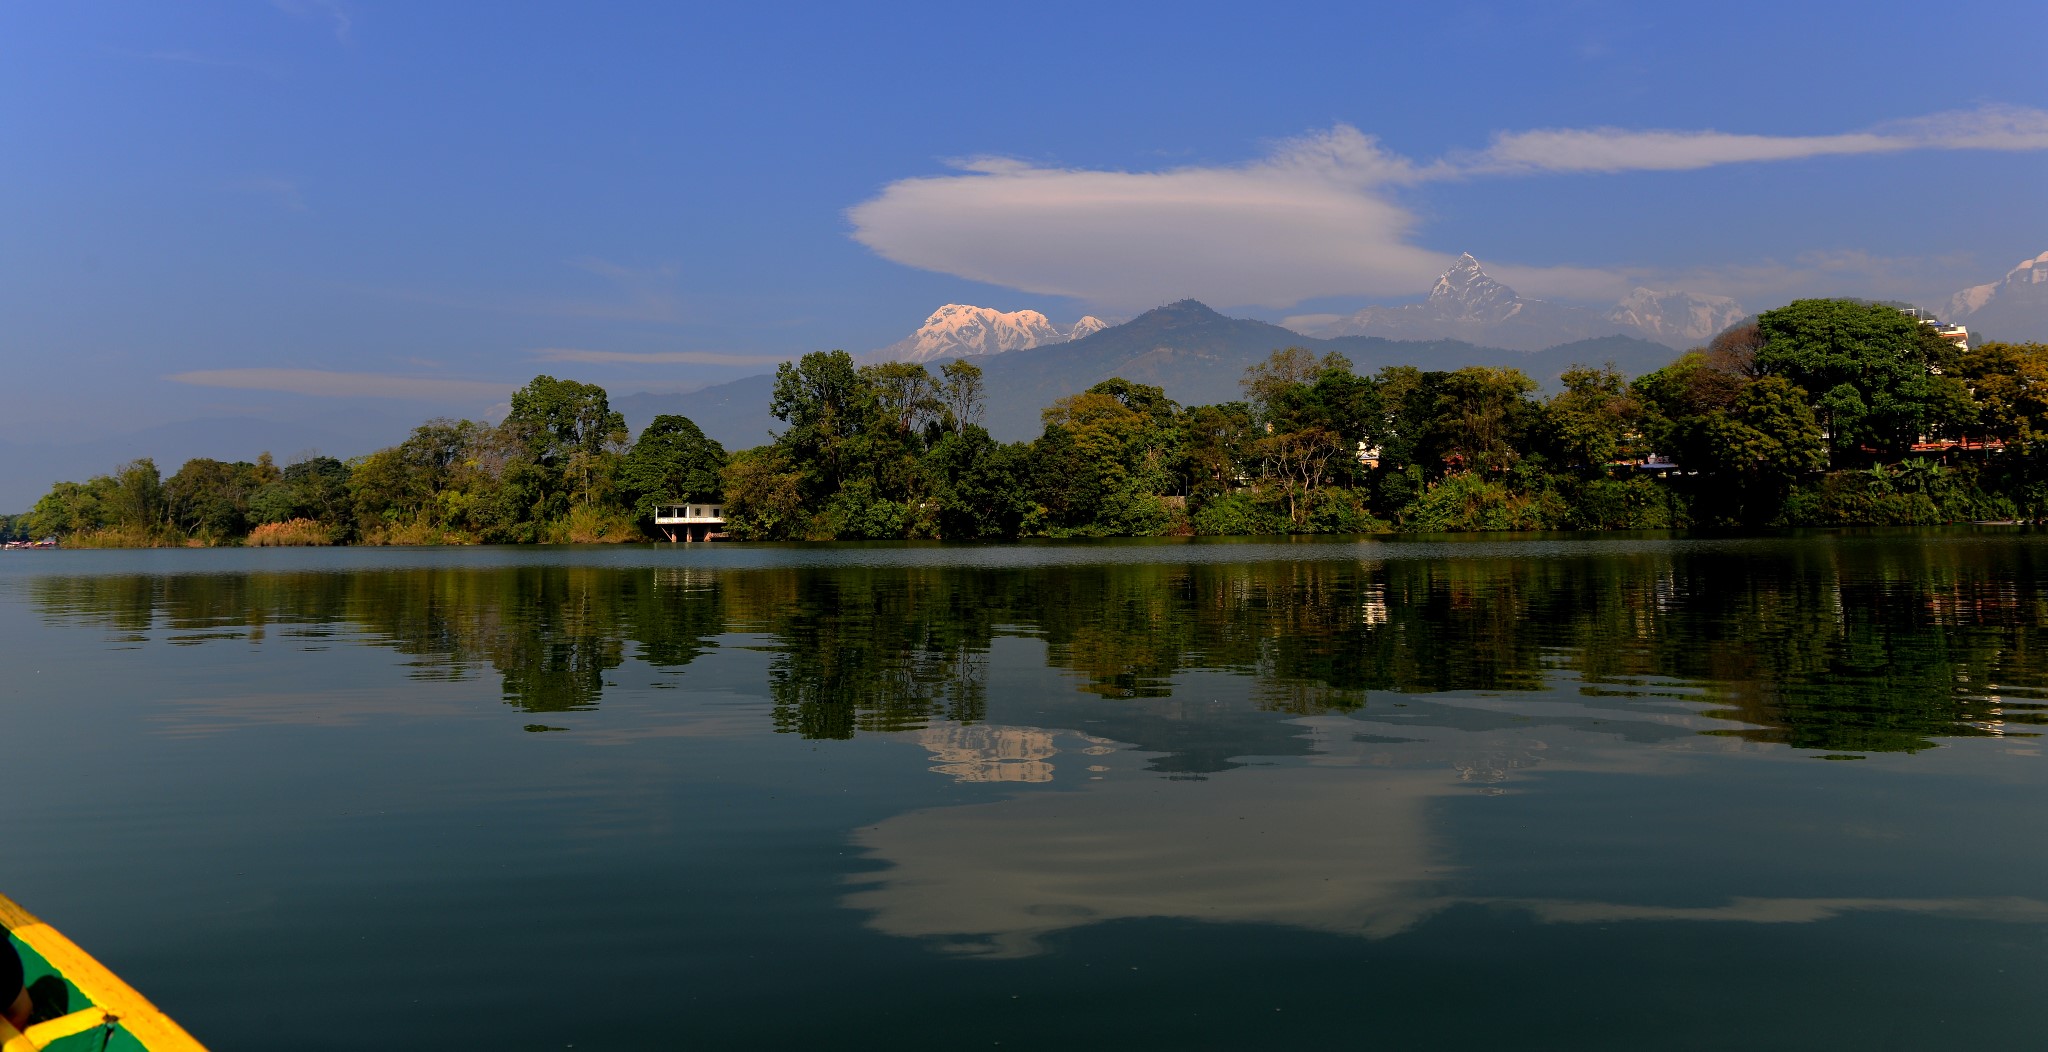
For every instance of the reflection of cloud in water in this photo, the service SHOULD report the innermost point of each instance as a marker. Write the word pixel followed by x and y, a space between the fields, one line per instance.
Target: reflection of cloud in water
pixel 990 753
pixel 1300 847
pixel 1340 844
pixel 2010 909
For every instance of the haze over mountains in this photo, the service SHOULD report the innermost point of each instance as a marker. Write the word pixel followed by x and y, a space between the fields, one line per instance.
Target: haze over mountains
pixel 1468 304
pixel 1196 354
pixel 2013 308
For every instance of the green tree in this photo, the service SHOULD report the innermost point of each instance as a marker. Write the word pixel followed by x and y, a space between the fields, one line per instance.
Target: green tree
pixel 960 394
pixel 1481 417
pixel 828 406
pixel 671 463
pixel 1878 378
pixel 210 498
pixel 71 508
pixel 764 495
pixel 2009 383
pixel 975 486
pixel 1593 421
pixel 905 394
pixel 137 497
pixel 1109 453
pixel 1217 444
pixel 567 440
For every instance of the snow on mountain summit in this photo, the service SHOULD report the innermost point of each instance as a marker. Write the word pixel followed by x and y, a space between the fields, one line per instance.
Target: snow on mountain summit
pixel 2012 308
pixel 1466 291
pixel 1686 317
pixel 961 330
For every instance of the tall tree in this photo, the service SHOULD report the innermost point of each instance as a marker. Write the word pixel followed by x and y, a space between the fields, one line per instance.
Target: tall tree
pixel 960 394
pixel 671 463
pixel 570 438
pixel 827 405
pixel 1878 378
pixel 137 497
pixel 1593 420
pixel 210 498
pixel 905 393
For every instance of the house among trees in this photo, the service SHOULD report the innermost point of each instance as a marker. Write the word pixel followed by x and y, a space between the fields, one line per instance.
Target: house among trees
pixel 699 522
pixel 1955 334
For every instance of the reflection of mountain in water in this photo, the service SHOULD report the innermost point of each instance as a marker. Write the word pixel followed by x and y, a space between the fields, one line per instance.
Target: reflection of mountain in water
pixel 1840 645
pixel 989 753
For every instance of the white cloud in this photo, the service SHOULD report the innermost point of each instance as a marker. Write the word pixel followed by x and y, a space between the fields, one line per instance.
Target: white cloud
pixel 1317 217
pixel 344 385
pixel 574 354
pixel 1308 220
pixel 1623 149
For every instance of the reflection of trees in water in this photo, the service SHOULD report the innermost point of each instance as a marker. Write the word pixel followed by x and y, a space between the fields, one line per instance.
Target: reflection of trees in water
pixel 1824 644
pixel 550 633
pixel 869 650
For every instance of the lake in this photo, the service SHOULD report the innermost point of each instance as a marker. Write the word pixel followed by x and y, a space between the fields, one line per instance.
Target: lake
pixel 1553 792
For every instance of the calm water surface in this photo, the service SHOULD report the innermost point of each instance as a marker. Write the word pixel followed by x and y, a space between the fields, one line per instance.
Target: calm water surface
pixel 1645 792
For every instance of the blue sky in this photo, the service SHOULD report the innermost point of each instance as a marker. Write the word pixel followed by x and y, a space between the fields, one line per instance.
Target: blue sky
pixel 211 209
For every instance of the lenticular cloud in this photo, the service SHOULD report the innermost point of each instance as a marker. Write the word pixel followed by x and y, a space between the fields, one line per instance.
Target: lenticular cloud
pixel 1316 217
pixel 1311 219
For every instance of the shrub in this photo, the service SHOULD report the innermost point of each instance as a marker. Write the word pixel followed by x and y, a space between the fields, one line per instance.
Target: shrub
pixel 291 533
pixel 1341 511
pixel 856 512
pixel 1469 501
pixel 417 532
pixel 591 524
pixel 1237 514
pixel 126 537
pixel 1910 494
pixel 1625 504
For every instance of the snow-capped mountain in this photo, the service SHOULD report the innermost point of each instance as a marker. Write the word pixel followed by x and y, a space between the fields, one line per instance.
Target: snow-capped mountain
pixel 1468 304
pixel 1675 318
pixel 1089 325
pixel 2013 308
pixel 1466 292
pixel 959 330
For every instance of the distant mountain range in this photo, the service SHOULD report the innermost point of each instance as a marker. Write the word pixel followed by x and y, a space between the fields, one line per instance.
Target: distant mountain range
pixel 2014 308
pixel 1195 354
pixel 1469 305
pixel 958 330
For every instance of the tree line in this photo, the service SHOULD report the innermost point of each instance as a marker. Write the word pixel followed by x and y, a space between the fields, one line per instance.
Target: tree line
pixel 1823 412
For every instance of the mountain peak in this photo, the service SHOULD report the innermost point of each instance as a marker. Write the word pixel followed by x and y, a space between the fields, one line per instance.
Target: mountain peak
pixel 960 330
pixel 1181 312
pixel 2014 307
pixel 1675 317
pixel 1089 325
pixel 1465 289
